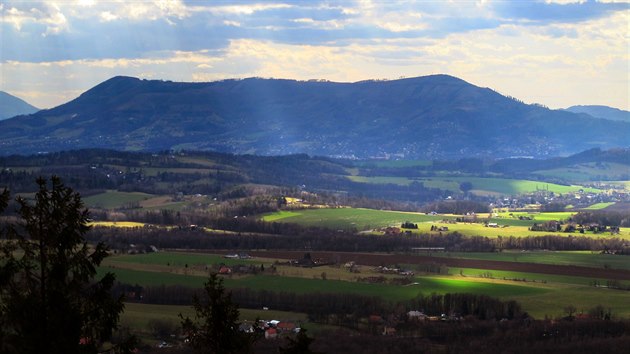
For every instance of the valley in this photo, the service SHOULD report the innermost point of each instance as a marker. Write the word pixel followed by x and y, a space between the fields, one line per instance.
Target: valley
pixel 388 233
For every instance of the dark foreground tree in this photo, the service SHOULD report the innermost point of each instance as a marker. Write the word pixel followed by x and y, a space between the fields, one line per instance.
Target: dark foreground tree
pixel 216 327
pixel 49 300
pixel 300 345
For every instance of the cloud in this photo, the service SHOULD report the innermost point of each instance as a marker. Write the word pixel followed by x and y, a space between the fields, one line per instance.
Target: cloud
pixel 555 11
pixel 67 47
pixel 128 29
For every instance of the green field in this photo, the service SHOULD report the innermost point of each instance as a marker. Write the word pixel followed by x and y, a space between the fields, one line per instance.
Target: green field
pixel 180 259
pixel 481 185
pixel 117 224
pixel 348 218
pixel 577 258
pixel 526 278
pixel 599 206
pixel 537 217
pixel 138 315
pixel 114 199
pixel 369 219
pixel 393 163
pixel 477 229
pixel 537 298
pixel 539 294
pixel 423 285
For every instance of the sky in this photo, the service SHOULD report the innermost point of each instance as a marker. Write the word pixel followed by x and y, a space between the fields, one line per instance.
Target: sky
pixel 555 53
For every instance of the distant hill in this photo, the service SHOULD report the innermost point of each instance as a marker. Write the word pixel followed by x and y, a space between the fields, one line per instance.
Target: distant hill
pixel 603 112
pixel 523 166
pixel 11 106
pixel 435 116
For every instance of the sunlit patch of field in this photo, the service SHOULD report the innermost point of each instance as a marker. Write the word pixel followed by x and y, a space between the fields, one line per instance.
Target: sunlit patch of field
pixel 117 223
pixel 478 229
pixel 348 218
pixel 599 206
pixel 369 219
pixel 511 277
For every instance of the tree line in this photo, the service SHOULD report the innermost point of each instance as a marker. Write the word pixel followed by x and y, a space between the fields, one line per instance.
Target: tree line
pixel 280 236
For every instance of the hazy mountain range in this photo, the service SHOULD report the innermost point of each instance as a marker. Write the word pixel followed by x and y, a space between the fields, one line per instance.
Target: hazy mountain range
pixel 11 106
pixel 604 112
pixel 435 116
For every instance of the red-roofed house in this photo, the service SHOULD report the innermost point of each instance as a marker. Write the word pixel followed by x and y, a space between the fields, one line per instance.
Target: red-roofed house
pixel 271 333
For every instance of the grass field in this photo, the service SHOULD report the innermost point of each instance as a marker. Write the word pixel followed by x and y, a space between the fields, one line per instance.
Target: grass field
pixel 481 186
pixel 348 218
pixel 138 315
pixel 117 224
pixel 524 277
pixel 537 217
pixel 423 285
pixel 180 259
pixel 393 163
pixel 599 206
pixel 114 199
pixel 578 258
pixel 476 229
pixel 537 298
pixel 540 294
pixel 369 219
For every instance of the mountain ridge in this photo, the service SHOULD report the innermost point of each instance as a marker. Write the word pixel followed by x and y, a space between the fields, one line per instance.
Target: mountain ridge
pixel 433 116
pixel 11 106
pixel 600 111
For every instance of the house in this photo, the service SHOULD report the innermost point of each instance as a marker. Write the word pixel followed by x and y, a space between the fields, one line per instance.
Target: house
pixel 271 333
pixel 225 270
pixel 416 315
pixel 285 327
